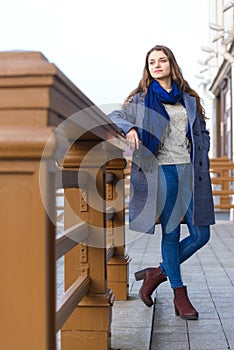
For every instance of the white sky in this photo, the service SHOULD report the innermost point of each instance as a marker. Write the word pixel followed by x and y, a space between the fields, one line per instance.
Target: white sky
pixel 101 44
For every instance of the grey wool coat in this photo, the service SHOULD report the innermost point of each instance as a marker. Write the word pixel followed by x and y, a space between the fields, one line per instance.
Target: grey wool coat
pixel 143 192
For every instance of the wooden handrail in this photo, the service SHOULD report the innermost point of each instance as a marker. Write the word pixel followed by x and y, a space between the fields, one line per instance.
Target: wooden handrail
pixel 222 192
pixel 68 302
pixel 39 103
pixel 71 237
pixel 222 168
pixel 70 179
pixel 217 180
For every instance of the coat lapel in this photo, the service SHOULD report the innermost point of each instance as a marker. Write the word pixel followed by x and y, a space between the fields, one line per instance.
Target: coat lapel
pixel 190 104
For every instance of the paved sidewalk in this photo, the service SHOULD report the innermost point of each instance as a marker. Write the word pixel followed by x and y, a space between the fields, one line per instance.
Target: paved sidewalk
pixel 132 321
pixel 209 275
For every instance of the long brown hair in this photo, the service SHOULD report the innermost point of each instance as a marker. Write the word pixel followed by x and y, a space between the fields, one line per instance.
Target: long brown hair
pixel 176 75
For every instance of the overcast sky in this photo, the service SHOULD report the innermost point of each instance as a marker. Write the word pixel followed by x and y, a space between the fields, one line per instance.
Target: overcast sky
pixel 101 44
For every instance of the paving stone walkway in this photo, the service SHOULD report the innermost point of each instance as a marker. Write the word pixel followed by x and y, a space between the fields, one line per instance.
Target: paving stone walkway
pixel 209 275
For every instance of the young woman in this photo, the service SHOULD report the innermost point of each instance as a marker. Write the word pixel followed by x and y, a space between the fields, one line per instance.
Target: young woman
pixel 165 127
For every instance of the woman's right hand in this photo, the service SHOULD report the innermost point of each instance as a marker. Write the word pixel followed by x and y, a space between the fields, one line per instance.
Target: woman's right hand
pixel 132 139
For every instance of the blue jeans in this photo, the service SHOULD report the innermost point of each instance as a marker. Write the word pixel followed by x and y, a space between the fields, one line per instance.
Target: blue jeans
pixel 175 201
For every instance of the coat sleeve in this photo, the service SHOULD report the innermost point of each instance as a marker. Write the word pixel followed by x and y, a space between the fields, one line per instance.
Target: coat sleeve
pixel 125 119
pixel 205 135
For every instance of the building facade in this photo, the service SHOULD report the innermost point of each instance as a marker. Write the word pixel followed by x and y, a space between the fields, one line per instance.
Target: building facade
pixel 218 74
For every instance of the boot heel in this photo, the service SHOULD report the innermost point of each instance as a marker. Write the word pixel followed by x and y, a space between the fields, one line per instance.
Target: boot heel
pixel 139 275
pixel 176 311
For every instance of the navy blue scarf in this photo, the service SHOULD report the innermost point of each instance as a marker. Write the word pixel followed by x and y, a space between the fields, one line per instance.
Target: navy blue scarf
pixel 156 116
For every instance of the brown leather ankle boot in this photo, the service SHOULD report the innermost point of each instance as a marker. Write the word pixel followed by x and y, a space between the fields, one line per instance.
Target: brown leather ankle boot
pixel 183 306
pixel 153 277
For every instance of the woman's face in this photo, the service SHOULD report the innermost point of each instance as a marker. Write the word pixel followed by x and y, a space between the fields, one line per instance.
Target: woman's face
pixel 159 65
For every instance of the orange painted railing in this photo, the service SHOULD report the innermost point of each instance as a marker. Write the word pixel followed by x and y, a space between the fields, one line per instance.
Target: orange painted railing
pixel 222 176
pixel 45 152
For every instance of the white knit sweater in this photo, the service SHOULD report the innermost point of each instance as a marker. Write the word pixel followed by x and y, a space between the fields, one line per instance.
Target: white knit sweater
pixel 174 146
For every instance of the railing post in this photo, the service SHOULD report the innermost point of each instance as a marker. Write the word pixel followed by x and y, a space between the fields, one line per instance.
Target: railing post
pixel 27 273
pixel 88 327
pixel 27 235
pixel 225 200
pixel 118 264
